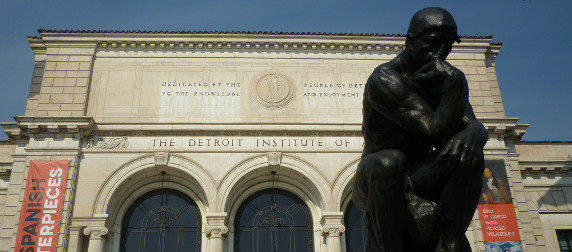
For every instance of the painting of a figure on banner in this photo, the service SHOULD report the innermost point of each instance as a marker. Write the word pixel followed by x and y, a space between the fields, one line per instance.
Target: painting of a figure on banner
pixel 495 184
pixel 496 210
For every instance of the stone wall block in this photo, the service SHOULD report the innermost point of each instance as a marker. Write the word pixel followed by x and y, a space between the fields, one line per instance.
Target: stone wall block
pixel 75 90
pixel 74 51
pixel 474 63
pixel 468 70
pixel 476 77
pixel 47 82
pixel 32 104
pixel 51 65
pixel 39 113
pixel 52 50
pixel 38 72
pixel 54 74
pixel 84 65
pixel 44 98
pixel 80 74
pixel 482 70
pixel 37 79
pixel 62 98
pixel 64 82
pixel 62 113
pixel 58 58
pixel 79 99
pixel 52 90
pixel 67 66
pixel 72 107
pixel 529 238
pixel 80 58
pixel 81 82
pixel 50 107
pixel 35 88
pixel 520 197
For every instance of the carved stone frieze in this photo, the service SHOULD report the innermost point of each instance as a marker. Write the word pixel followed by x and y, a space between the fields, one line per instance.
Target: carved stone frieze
pixel 99 142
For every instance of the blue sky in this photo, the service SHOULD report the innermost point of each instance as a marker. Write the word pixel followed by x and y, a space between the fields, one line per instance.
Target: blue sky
pixel 533 67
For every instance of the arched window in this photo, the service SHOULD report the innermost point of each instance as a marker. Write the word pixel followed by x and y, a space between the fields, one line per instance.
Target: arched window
pixel 356 229
pixel 273 220
pixel 162 220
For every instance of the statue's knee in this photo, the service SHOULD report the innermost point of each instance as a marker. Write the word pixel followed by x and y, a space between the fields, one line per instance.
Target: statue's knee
pixel 390 163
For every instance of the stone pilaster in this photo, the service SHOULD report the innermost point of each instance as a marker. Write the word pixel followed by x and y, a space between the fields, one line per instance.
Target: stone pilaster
pixel 75 242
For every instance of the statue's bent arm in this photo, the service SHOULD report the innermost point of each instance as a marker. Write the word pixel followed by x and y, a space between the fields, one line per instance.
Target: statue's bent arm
pixel 393 95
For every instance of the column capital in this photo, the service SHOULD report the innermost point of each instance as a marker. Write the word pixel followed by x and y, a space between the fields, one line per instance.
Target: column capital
pixel 96 233
pixel 216 231
pixel 332 224
pixel 333 230
pixel 216 227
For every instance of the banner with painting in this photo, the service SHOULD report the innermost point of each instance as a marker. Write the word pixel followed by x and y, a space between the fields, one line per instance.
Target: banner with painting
pixel 496 211
pixel 41 212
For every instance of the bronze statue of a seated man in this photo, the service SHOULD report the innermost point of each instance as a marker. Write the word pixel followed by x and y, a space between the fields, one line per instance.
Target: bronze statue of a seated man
pixel 419 179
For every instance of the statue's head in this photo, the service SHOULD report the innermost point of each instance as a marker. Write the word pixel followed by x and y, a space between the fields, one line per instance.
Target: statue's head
pixel 431 34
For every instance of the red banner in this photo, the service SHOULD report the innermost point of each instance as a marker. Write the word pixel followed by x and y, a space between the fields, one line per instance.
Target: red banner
pixel 496 211
pixel 498 222
pixel 42 207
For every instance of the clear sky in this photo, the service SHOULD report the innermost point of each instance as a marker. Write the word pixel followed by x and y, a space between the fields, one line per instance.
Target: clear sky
pixel 533 67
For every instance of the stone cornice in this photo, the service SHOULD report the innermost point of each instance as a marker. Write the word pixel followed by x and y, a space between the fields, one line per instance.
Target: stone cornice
pixel 27 126
pixel 216 127
pixel 246 41
pixel 545 166
pixel 505 126
pixel 37 45
pixel 493 125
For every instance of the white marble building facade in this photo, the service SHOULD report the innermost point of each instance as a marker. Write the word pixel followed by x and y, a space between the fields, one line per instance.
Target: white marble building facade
pixel 218 112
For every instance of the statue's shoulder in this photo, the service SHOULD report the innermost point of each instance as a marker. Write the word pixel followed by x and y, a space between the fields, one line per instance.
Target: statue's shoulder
pixel 385 76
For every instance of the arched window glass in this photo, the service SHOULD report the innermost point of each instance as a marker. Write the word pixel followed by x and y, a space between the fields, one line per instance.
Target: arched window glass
pixel 356 229
pixel 162 220
pixel 273 220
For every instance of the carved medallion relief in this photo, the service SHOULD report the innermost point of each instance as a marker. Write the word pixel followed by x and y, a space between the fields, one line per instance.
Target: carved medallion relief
pixel 272 90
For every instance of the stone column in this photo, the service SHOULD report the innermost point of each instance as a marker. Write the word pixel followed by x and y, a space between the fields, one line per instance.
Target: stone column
pixel 97 237
pixel 332 230
pixel 216 231
pixel 216 235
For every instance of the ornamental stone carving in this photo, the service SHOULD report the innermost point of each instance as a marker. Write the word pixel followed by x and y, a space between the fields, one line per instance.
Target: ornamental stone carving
pixel 96 232
pixel 333 230
pixel 274 158
pixel 161 158
pixel 99 142
pixel 272 90
pixel 216 231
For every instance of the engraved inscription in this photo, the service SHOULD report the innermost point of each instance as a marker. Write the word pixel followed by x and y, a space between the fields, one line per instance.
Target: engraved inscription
pixel 199 88
pixel 333 90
